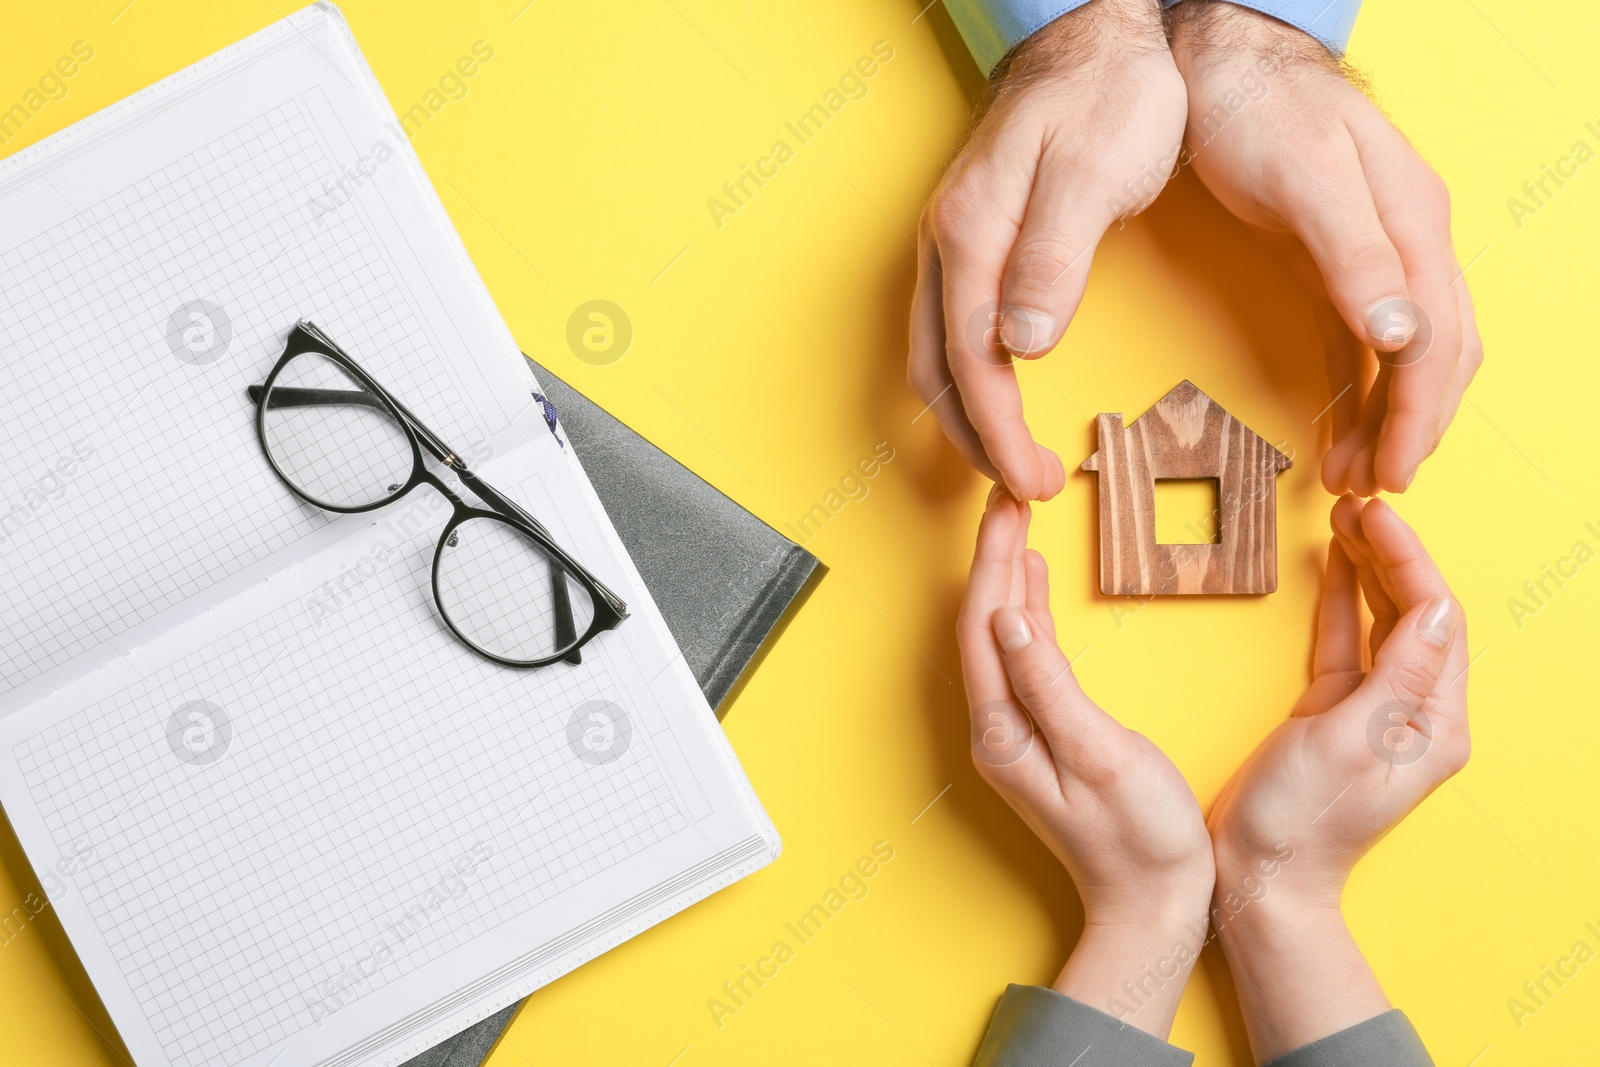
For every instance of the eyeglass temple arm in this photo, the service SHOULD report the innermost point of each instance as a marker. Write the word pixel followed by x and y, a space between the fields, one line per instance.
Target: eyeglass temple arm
pixel 507 505
pixel 287 396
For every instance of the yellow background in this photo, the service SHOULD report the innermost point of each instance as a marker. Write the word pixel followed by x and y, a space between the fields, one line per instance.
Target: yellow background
pixel 768 357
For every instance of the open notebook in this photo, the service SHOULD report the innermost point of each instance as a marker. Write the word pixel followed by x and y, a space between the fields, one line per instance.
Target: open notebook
pixel 293 819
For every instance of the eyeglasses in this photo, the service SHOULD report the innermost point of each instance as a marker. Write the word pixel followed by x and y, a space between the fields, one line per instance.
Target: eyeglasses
pixel 340 441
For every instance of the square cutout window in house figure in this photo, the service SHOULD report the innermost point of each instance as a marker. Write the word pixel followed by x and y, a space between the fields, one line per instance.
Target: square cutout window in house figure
pixel 1188 511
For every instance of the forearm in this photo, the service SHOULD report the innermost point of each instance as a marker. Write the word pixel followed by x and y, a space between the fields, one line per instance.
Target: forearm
pixel 1136 971
pixel 1299 974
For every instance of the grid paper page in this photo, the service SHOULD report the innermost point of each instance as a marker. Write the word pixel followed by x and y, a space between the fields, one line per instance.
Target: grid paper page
pixel 358 766
pixel 138 478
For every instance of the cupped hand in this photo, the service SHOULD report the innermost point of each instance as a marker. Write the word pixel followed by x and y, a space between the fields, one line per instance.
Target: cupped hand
pixel 1285 142
pixel 1084 123
pixel 1104 798
pixel 1379 728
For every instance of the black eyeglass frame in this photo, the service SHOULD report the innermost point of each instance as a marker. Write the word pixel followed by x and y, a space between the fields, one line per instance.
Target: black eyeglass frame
pixel 609 609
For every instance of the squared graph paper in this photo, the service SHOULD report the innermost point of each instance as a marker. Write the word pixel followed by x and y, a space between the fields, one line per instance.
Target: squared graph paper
pixel 167 491
pixel 346 769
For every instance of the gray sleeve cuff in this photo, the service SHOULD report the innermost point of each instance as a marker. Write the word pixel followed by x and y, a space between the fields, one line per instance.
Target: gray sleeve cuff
pixel 1387 1040
pixel 1037 1027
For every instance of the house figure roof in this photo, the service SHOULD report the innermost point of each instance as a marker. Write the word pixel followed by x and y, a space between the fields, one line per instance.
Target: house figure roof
pixel 1188 416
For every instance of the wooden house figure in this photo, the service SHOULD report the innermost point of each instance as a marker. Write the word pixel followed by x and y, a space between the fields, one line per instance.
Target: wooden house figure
pixel 1186 435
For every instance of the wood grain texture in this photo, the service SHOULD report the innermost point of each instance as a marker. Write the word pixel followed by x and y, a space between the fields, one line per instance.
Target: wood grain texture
pixel 1186 434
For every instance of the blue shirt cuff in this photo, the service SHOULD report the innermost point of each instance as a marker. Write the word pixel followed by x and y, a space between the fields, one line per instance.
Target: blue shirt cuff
pixel 1329 21
pixel 993 28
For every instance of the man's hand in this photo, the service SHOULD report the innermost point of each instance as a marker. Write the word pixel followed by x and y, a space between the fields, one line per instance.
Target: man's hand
pixel 1082 129
pixel 1371 738
pixel 1107 802
pixel 1285 142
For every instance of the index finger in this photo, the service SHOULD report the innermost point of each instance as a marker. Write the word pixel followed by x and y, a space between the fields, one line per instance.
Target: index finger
pixel 1415 209
pixel 1408 572
pixel 1338 646
pixel 926 367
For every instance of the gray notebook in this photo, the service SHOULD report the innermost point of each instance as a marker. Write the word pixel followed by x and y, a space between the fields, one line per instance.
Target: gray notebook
pixel 725 581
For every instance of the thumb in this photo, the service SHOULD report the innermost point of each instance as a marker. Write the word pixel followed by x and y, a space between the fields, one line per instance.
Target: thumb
pixel 1048 268
pixel 1042 679
pixel 1408 665
pixel 1331 207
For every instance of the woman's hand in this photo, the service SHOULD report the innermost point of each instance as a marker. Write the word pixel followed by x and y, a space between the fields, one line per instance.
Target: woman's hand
pixel 1374 734
pixel 1285 142
pixel 1107 801
pixel 1083 128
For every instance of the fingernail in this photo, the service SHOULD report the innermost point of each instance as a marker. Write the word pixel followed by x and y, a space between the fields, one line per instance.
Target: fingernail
pixel 1439 621
pixel 1011 629
pixel 1409 479
pixel 1026 331
pixel 1391 323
